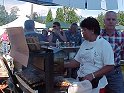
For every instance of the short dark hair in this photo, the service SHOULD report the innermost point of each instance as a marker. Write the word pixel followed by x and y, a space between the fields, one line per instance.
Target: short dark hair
pixel 29 25
pixel 91 24
pixel 56 23
pixel 74 24
pixel 110 12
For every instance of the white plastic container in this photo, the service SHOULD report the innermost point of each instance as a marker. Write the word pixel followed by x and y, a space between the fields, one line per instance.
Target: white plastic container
pixel 57 43
pixel 80 87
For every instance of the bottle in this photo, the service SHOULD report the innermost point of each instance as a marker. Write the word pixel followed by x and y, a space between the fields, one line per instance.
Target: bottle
pixel 57 43
pixel 73 44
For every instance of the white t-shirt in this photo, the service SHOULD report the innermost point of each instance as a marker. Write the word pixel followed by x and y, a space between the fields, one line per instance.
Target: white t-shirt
pixel 94 55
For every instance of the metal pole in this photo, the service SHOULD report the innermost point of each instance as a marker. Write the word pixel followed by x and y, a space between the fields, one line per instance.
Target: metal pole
pixel 31 11
pixel 3 2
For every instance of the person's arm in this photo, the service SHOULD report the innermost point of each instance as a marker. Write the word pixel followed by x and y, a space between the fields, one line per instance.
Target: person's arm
pixel 71 64
pixel 99 73
pixel 50 37
pixel 62 36
pixel 103 70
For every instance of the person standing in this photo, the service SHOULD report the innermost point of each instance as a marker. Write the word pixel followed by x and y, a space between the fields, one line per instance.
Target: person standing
pixel 116 39
pixel 95 57
pixel 5 42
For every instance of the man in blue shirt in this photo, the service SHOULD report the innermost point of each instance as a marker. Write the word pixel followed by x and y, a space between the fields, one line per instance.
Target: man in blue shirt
pixel 29 28
pixel 74 35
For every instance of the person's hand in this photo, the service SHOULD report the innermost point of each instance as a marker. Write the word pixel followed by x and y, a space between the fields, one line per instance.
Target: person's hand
pixel 58 32
pixel 53 30
pixel 88 77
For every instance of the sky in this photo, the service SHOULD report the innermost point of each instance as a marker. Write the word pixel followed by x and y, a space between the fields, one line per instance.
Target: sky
pixel 25 8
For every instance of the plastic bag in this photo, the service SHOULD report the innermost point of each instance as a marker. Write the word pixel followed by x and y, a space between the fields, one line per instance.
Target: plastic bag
pixel 80 87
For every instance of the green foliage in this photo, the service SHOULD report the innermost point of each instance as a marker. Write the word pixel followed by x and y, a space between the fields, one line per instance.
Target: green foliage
pixel 39 19
pixel 65 10
pixel 5 17
pixel 13 13
pixel 100 19
pixel 14 10
pixel 59 15
pixel 70 15
pixel 65 14
pixel 34 16
pixel 49 17
pixel 120 18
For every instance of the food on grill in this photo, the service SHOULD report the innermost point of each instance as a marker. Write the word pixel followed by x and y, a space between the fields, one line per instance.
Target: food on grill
pixel 63 84
pixel 60 81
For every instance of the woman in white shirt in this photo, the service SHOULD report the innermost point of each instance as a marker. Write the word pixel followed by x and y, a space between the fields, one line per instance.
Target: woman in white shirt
pixel 95 57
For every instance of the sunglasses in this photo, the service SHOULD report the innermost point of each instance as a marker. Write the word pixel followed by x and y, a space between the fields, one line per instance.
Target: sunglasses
pixel 54 26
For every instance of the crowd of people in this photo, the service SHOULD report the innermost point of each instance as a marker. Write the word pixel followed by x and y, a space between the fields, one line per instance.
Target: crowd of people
pixel 73 34
pixel 100 49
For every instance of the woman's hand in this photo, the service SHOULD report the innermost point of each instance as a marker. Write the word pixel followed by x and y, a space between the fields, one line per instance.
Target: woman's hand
pixel 88 77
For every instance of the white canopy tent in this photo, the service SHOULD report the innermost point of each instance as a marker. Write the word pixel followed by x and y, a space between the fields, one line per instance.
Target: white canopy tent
pixel 20 22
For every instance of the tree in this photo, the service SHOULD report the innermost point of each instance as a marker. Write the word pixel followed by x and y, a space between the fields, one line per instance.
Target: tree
pixel 120 18
pixel 49 17
pixel 14 10
pixel 70 15
pixel 13 13
pixel 3 15
pixel 100 19
pixel 65 10
pixel 37 18
pixel 34 16
pixel 59 15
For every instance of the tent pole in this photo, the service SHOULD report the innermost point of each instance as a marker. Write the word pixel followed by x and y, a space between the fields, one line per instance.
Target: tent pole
pixel 32 11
